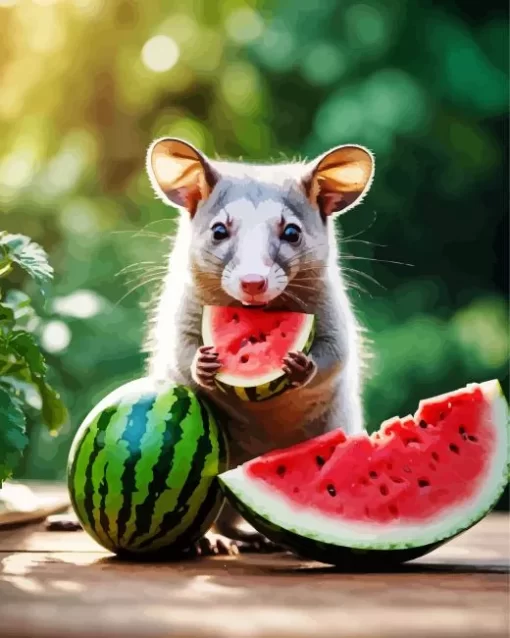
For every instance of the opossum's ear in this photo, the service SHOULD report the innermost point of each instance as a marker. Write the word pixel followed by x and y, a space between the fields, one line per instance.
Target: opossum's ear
pixel 339 179
pixel 180 173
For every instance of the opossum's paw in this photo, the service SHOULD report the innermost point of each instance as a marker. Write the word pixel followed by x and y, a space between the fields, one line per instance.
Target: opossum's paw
pixel 300 368
pixel 205 367
pixel 212 544
pixel 259 544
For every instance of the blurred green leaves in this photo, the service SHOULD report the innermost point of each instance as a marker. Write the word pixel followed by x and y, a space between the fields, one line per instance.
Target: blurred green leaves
pixel 87 85
pixel 13 439
pixel 20 250
pixel 25 393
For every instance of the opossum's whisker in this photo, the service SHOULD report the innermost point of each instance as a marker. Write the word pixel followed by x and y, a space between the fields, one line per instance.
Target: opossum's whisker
pixel 367 276
pixel 139 285
pixel 354 285
pixel 211 254
pixel 142 265
pixel 362 241
pixel 382 261
pixel 293 297
pixel 364 230
pixel 142 233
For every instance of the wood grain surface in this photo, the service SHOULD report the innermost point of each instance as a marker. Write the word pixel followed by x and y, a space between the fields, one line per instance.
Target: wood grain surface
pixel 55 585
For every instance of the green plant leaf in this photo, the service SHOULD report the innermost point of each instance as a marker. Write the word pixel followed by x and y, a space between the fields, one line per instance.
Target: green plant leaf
pixel 13 439
pixel 25 346
pixel 17 301
pixel 5 267
pixel 6 316
pixel 54 412
pixel 24 252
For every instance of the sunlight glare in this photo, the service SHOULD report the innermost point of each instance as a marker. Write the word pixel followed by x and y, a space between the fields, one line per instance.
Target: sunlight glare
pixel 160 53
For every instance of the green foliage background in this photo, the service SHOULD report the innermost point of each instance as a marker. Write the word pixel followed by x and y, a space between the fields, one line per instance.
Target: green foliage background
pixel 86 85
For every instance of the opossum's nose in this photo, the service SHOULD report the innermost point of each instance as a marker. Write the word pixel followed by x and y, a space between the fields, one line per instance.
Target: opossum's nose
pixel 253 284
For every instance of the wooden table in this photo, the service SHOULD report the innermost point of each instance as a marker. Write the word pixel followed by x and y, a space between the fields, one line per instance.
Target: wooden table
pixel 55 585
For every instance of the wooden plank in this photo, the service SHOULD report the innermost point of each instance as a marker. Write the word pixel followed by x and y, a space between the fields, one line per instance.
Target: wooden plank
pixel 62 584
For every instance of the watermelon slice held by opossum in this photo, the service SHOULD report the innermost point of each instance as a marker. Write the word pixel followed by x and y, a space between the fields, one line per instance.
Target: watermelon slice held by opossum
pixel 386 498
pixel 251 344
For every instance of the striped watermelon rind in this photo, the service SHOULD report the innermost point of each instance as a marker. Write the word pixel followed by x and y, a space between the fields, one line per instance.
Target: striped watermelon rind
pixel 143 466
pixel 252 390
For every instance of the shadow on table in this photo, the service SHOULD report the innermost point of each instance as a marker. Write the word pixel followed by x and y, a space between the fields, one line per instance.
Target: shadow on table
pixel 286 564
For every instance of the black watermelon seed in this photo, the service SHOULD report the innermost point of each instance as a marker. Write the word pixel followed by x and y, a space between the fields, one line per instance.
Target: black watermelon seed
pixel 372 474
pixel 280 470
pixel 423 483
pixel 454 448
pixel 472 438
pixel 331 489
pixel 320 461
pixel 423 424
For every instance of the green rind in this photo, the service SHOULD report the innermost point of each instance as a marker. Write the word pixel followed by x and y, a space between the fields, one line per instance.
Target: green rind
pixel 114 457
pixel 265 391
pixel 152 470
pixel 181 519
pixel 361 557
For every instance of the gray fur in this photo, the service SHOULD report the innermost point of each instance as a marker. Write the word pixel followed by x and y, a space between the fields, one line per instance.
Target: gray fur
pixel 253 197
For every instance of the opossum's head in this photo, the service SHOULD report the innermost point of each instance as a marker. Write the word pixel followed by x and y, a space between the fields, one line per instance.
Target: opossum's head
pixel 258 233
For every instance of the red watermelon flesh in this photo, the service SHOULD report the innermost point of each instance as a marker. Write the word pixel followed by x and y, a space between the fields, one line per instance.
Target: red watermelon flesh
pixel 251 342
pixel 415 483
pixel 411 469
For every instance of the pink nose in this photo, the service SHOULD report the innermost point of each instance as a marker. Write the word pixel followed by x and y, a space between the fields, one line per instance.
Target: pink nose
pixel 253 284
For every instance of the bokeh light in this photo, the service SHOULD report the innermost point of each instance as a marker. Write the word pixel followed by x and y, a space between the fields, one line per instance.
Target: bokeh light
pixel 160 53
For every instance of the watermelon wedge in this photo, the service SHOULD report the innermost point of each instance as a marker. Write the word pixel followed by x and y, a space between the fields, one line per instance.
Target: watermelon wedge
pixel 388 497
pixel 251 344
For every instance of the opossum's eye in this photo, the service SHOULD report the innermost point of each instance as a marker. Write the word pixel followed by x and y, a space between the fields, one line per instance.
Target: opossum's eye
pixel 291 233
pixel 220 232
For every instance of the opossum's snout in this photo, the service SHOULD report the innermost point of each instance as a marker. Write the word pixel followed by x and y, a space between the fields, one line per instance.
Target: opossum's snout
pixel 253 284
pixel 254 288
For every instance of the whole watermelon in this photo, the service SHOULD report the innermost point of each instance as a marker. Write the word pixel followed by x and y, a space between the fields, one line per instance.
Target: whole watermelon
pixel 142 469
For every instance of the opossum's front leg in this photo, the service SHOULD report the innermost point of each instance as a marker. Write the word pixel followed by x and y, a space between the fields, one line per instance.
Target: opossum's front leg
pixel 232 526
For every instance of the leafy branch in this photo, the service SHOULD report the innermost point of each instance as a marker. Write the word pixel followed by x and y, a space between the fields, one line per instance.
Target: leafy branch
pixel 24 389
